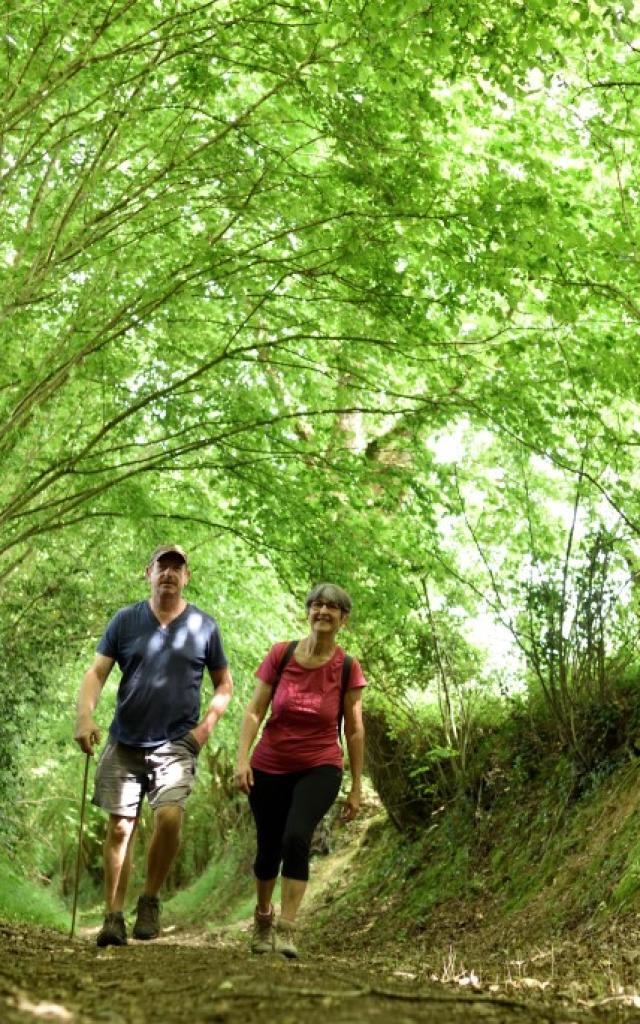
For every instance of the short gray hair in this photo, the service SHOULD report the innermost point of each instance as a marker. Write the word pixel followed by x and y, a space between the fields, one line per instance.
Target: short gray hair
pixel 330 592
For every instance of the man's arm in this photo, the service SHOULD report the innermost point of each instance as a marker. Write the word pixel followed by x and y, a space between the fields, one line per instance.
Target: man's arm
pixel 223 687
pixel 86 732
pixel 354 735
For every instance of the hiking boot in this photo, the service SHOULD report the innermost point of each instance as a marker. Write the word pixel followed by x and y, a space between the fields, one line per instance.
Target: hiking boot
pixel 285 939
pixel 113 931
pixel 147 924
pixel 263 933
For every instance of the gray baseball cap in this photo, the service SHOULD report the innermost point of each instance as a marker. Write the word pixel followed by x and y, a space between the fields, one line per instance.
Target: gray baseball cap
pixel 168 549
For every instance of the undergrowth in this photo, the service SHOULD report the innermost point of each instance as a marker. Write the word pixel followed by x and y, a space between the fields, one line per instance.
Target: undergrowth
pixel 224 892
pixel 542 856
pixel 23 900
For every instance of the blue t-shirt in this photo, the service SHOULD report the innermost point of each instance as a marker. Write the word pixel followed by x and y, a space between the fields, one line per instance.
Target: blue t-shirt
pixel 162 669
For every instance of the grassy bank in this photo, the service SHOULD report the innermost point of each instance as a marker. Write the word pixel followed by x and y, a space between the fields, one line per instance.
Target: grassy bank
pixel 224 892
pixel 541 878
pixel 26 901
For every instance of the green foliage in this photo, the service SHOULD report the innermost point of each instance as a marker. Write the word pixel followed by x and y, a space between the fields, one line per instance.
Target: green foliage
pixel 342 292
pixel 223 891
pixel 24 899
pixel 538 862
pixel 579 636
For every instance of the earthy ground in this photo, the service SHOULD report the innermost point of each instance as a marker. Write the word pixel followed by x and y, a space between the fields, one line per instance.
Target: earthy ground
pixel 204 977
pixel 471 963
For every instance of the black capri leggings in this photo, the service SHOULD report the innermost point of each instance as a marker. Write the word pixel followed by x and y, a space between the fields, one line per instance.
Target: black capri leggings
pixel 287 809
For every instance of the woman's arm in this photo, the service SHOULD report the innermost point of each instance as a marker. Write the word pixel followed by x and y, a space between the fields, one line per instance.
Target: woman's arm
pixel 254 714
pixel 354 735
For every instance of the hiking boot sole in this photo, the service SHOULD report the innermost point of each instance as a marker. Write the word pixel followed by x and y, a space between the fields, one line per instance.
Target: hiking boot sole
pixel 109 939
pixel 288 954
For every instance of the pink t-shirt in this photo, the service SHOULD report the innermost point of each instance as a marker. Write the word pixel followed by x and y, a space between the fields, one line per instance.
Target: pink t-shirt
pixel 302 730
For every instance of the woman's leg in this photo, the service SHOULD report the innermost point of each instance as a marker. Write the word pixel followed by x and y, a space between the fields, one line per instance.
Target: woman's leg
pixel 292 894
pixel 313 794
pixel 270 800
pixel 264 895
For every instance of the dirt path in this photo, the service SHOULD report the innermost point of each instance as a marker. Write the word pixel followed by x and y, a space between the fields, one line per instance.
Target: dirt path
pixel 202 978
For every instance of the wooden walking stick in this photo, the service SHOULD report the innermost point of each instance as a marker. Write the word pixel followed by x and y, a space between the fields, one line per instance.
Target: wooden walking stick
pixel 79 857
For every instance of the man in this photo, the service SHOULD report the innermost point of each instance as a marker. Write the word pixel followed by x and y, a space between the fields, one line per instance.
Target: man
pixel 162 647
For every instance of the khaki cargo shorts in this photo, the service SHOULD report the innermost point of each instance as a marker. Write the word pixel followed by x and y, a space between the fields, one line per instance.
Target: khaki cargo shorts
pixel 125 775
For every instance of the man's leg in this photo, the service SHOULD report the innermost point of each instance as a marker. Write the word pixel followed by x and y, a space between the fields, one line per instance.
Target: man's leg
pixel 165 843
pixel 119 787
pixel 118 848
pixel 171 770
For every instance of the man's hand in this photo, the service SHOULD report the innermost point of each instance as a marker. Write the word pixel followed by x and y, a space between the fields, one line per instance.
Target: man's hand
pixel 200 735
pixel 87 735
pixel 351 805
pixel 244 777
pixel 223 688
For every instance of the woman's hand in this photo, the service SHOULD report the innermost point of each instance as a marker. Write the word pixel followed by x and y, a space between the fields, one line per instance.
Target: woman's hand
pixel 244 776
pixel 351 805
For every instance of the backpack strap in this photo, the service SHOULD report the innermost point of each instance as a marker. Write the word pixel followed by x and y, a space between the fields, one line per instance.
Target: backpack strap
pixel 286 657
pixel 344 683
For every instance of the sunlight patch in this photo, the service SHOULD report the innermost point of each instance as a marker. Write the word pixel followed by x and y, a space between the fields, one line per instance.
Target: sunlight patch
pixel 45 1011
pixel 194 622
pixel 155 643
pixel 180 638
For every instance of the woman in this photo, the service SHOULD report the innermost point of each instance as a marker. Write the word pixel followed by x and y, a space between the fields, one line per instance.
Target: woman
pixel 295 772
